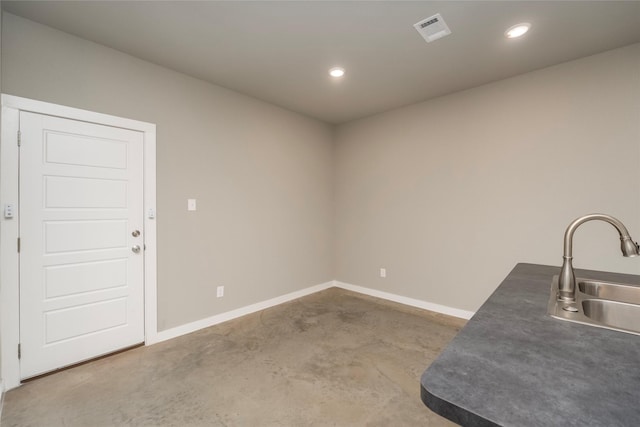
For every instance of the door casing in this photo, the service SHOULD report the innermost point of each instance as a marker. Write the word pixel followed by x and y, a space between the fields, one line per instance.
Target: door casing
pixel 9 260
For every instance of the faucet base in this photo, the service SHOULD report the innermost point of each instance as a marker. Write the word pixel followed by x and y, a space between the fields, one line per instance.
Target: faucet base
pixel 566 281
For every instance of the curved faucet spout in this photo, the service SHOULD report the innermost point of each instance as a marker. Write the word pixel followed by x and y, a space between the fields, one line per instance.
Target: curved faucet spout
pixel 567 279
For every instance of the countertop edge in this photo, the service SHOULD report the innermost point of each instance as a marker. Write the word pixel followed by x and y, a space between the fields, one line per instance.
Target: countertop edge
pixel 453 412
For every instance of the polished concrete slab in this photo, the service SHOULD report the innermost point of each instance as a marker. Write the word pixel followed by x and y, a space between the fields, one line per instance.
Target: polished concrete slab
pixel 334 358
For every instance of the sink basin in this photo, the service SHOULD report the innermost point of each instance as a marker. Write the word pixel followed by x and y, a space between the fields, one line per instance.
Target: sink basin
pixel 611 291
pixel 618 315
pixel 606 305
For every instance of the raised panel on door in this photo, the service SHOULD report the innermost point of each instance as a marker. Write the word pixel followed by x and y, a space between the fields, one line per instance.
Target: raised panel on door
pixel 81 285
pixel 73 192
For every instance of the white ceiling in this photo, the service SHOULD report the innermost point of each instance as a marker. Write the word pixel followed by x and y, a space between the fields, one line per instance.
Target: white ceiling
pixel 280 51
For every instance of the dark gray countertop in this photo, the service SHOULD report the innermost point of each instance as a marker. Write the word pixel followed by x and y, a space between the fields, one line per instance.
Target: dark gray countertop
pixel 514 365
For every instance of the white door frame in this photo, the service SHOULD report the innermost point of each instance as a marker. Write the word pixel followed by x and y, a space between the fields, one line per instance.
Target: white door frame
pixel 9 267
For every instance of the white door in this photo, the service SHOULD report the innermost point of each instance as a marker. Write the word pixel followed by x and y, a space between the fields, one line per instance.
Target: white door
pixel 81 218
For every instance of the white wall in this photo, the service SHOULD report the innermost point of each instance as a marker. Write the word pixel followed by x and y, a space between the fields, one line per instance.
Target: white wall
pixel 1 381
pixel 261 175
pixel 450 194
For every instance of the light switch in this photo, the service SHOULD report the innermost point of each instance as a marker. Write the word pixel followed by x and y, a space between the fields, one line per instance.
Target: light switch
pixel 191 204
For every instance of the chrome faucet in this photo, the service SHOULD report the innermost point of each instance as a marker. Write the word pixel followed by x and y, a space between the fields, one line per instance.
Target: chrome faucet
pixel 567 279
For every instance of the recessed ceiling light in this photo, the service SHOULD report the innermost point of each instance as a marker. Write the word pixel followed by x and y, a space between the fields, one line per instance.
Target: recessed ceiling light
pixel 336 72
pixel 517 30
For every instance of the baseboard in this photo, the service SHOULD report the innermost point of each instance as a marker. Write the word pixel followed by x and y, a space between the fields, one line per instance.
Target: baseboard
pixel 243 311
pixel 233 314
pixel 438 308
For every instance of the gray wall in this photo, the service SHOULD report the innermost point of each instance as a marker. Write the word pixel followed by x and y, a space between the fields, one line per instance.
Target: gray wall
pixel 449 194
pixel 261 175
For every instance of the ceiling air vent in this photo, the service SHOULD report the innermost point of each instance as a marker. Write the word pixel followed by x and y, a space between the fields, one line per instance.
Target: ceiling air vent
pixel 432 28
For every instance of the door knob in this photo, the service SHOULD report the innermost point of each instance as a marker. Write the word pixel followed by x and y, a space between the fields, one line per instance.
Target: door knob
pixel 136 249
pixel 135 233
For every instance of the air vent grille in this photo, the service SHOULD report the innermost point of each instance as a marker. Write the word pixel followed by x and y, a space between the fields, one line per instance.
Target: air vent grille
pixel 432 28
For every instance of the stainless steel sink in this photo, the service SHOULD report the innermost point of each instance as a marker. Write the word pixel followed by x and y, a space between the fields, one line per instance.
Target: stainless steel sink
pixel 618 315
pixel 610 291
pixel 601 304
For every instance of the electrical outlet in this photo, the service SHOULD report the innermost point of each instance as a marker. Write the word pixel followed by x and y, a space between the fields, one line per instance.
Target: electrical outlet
pixel 220 291
pixel 191 204
pixel 383 272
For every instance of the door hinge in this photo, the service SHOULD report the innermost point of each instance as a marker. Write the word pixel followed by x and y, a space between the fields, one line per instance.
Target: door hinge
pixel 19 351
pixel 18 245
pixel 19 138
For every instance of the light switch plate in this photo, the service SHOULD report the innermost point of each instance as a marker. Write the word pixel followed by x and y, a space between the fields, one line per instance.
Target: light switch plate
pixel 191 204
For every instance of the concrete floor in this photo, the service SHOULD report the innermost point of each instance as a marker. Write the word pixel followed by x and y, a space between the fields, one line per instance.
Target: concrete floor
pixel 334 358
